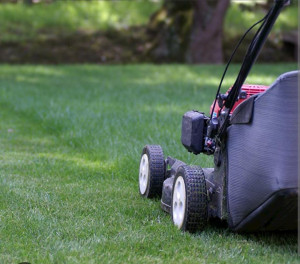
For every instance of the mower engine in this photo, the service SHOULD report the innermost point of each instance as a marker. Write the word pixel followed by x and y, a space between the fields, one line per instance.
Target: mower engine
pixel 194 136
pixel 247 90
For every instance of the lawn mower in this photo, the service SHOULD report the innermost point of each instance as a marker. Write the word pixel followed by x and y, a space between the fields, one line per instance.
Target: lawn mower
pixel 252 134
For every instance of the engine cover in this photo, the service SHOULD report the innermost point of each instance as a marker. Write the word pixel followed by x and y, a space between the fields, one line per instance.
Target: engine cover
pixel 193 130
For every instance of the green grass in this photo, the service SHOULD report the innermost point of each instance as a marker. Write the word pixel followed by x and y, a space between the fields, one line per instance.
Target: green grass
pixel 70 143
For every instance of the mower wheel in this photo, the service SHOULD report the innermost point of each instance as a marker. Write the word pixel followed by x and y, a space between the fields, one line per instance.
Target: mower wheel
pixel 189 208
pixel 152 171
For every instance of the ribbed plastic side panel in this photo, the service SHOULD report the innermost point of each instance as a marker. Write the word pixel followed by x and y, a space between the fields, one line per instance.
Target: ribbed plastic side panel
pixel 263 157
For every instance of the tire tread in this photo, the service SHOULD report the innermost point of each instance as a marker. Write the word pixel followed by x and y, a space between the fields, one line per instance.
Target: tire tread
pixel 196 198
pixel 156 169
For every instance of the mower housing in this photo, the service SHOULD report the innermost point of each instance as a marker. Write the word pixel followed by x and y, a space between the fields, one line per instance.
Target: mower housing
pixel 254 184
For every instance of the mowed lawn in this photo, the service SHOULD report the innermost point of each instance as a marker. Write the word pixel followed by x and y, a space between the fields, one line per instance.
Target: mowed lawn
pixel 70 144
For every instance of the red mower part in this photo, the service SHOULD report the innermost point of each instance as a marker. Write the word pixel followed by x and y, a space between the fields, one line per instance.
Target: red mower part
pixel 246 91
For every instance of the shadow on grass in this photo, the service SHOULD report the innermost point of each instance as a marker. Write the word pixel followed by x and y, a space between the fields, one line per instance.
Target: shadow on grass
pixel 276 239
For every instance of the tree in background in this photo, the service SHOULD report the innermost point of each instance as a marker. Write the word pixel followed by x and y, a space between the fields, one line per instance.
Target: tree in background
pixel 189 31
pixel 28 2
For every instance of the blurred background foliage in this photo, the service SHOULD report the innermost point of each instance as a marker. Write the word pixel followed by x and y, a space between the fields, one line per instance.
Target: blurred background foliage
pixel 19 22
pixel 115 31
pixel 240 17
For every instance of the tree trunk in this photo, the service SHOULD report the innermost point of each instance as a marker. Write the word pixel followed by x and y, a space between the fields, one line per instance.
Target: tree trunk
pixel 28 2
pixel 205 45
pixel 188 31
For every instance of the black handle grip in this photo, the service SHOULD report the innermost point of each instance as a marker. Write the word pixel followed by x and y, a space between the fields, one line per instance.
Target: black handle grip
pixel 284 2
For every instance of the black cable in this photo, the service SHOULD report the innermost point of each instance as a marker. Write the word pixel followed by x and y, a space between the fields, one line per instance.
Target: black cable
pixel 251 55
pixel 247 58
pixel 229 61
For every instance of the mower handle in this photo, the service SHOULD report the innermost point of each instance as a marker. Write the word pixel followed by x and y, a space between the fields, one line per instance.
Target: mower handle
pixel 250 58
pixel 253 52
pixel 285 2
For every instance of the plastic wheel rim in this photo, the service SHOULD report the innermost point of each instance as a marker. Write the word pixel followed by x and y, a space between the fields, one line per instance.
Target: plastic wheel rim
pixel 179 202
pixel 144 174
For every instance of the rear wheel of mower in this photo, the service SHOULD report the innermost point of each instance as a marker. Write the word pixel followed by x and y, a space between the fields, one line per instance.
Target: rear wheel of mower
pixel 152 171
pixel 189 199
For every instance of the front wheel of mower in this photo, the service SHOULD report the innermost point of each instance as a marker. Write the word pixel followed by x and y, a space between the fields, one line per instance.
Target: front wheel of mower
pixel 189 208
pixel 152 171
